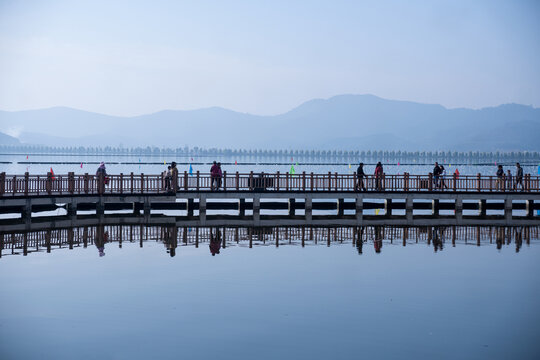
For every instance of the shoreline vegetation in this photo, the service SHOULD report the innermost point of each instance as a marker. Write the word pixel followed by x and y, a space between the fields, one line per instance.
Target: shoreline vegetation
pixel 346 156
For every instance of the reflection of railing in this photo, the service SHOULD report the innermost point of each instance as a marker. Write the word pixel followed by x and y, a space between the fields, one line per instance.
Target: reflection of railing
pixel 153 184
pixel 171 236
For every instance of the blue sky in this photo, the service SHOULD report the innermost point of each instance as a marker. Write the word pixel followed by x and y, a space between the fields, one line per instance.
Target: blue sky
pixel 136 57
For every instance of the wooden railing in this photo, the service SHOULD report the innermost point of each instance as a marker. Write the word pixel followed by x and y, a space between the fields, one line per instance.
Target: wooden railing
pixel 43 185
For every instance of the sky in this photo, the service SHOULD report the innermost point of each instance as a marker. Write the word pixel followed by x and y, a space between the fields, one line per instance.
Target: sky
pixel 136 57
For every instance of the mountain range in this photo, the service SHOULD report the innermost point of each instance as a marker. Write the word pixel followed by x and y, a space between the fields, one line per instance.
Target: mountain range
pixel 354 122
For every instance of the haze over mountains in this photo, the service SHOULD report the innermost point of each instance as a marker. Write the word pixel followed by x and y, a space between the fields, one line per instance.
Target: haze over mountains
pixel 353 122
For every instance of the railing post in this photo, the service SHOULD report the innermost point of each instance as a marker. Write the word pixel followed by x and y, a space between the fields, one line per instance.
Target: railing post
pixel 329 181
pixel 406 181
pixel 336 187
pixel 455 181
pixel 186 180
pixel 251 181
pixel 287 181
pixel 311 180
pixel 142 183
pixel 430 182
pixel 26 179
pixel 2 183
pixel 225 181
pixel 478 181
pixel 277 181
pixel 14 184
pixel 355 181
pixel 121 183
pixel 237 181
pixel 132 180
pixel 198 179
pixel 303 181
pixel 48 185
pixel 71 182
pixel 383 182
pixel 101 184
pixel 527 182
pixel 85 185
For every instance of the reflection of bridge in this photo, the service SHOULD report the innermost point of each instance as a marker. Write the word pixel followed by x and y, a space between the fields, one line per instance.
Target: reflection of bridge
pixel 99 235
pixel 256 193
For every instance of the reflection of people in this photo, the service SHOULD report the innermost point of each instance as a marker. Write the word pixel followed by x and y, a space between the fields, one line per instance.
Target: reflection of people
pixel 499 237
pixel 438 234
pixel 359 240
pixel 102 237
pixel 519 238
pixel 377 243
pixel 170 239
pixel 215 242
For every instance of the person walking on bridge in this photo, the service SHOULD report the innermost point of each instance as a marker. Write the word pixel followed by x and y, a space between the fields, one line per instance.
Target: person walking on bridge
pixel 509 182
pixel 174 177
pixel 360 177
pixel 214 174
pixel 519 177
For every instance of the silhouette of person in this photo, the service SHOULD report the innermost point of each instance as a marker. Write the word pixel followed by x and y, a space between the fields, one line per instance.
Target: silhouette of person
pixel 102 237
pixel 215 242
pixel 377 243
pixel 359 240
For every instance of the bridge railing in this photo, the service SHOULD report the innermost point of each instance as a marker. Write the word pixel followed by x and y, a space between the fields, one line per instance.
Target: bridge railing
pixel 50 184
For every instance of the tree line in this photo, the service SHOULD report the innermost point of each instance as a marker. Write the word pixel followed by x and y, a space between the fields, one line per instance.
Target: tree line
pixel 284 154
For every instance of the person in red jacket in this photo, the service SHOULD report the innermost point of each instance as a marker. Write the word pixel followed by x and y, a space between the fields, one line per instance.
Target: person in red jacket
pixel 378 176
pixel 214 174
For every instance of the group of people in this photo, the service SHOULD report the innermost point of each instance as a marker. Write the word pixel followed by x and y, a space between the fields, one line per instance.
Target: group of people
pixel 507 181
pixel 439 175
pixel 170 174
pixel 360 174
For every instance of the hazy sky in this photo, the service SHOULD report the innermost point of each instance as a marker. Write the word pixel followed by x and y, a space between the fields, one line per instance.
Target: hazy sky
pixel 135 57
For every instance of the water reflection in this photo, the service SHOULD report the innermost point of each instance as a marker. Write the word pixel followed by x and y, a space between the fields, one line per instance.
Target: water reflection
pixel 218 238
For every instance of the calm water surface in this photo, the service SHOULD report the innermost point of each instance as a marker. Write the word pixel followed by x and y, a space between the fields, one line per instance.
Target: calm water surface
pixel 267 302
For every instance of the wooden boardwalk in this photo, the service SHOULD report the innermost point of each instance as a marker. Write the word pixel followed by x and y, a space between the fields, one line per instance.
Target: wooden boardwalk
pixel 71 184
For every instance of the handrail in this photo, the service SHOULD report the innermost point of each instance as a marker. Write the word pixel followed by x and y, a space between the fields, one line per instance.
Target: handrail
pixel 71 184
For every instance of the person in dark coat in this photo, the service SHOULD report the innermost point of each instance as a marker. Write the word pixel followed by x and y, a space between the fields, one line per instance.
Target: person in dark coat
pixel 360 176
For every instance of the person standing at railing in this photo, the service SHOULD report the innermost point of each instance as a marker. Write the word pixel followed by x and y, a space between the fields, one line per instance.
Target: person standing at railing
pixel 102 178
pixel 378 176
pixel 168 178
pixel 509 181
pixel 500 178
pixel 174 176
pixel 519 177
pixel 219 175
pixel 436 175
pixel 214 173
pixel 360 175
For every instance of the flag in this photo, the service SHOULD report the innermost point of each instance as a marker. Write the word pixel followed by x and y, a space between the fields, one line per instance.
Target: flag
pixel 349 166
pixel 81 165
pixel 164 162
pixel 52 174
pixel 190 170
pixel 292 170
pixel 26 157
pixel 377 211
pixel 398 163
pixel 235 163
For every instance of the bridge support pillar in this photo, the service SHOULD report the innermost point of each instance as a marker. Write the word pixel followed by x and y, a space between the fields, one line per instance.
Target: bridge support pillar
pixel 292 207
pixel 190 206
pixel 309 208
pixel 508 210
pixel 409 209
pixel 459 209
pixel 359 209
pixel 146 207
pixel 202 209
pixel 241 207
pixel 482 207
pixel 100 207
pixel 72 210
pixel 340 207
pixel 256 209
pixel 388 207
pixel 435 207
pixel 529 207
pixel 26 212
